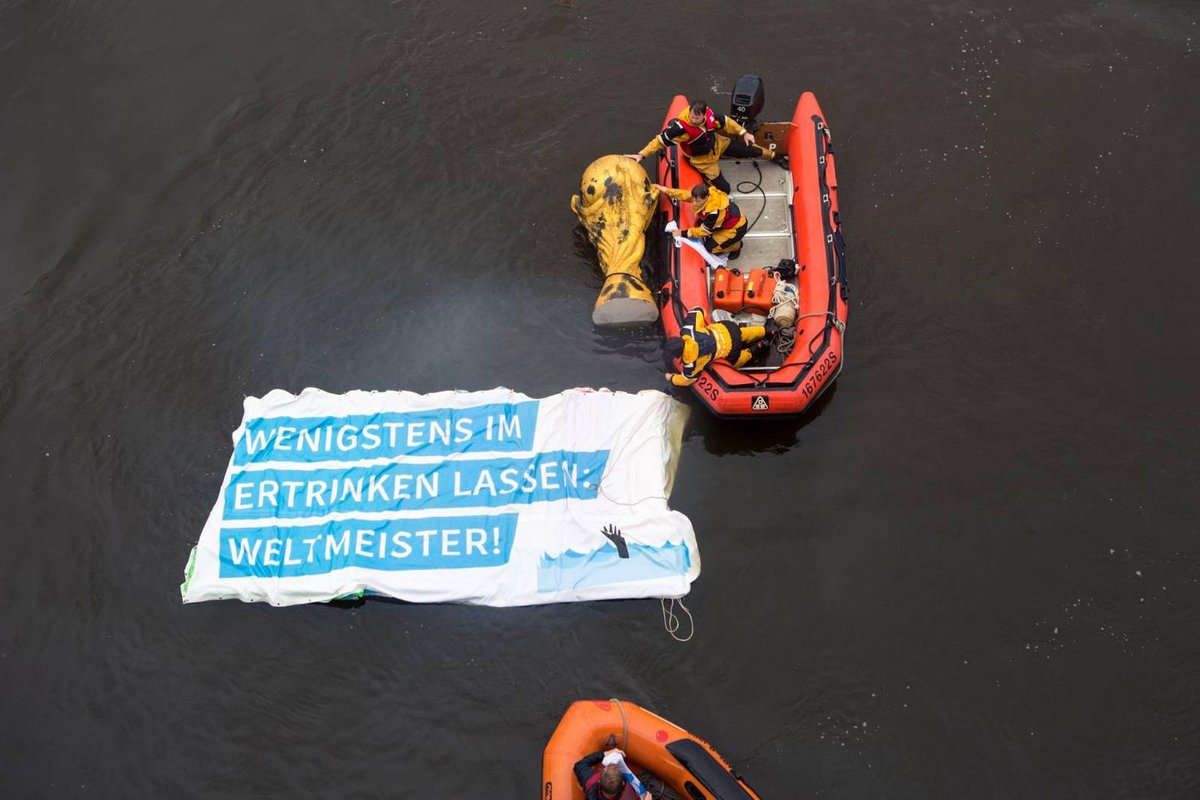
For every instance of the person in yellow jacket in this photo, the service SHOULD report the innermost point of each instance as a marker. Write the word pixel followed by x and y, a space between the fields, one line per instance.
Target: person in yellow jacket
pixel 719 222
pixel 704 136
pixel 699 343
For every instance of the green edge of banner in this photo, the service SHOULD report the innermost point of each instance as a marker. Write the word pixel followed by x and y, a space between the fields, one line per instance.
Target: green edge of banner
pixel 187 573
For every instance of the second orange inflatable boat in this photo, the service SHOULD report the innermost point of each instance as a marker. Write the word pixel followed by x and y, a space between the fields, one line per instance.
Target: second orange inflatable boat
pixel 676 759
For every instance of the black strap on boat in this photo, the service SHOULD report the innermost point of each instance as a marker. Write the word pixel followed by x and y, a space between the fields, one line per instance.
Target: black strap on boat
pixel 716 777
pixel 835 244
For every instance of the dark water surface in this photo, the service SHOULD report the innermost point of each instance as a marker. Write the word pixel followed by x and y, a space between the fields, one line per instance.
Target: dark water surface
pixel 974 572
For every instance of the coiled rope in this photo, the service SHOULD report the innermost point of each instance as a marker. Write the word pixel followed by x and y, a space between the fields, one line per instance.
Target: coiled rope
pixel 786 295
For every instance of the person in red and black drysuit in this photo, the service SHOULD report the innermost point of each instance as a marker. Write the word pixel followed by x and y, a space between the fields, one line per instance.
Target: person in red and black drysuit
pixel 603 784
pixel 705 136
pixel 719 222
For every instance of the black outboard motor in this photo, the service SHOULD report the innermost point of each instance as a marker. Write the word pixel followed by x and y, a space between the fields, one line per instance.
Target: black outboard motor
pixel 747 100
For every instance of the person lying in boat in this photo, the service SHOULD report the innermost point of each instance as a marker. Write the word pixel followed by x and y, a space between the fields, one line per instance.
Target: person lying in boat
pixel 609 782
pixel 704 136
pixel 720 225
pixel 699 343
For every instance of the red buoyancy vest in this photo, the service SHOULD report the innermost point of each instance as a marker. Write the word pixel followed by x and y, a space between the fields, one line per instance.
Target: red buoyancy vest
pixel 696 134
pixel 732 217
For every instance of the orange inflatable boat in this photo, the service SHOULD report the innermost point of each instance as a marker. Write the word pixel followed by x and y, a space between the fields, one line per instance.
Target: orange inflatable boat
pixel 792 265
pixel 675 759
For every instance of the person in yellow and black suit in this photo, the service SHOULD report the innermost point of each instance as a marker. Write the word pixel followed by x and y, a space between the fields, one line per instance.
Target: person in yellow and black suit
pixel 719 222
pixel 704 136
pixel 699 343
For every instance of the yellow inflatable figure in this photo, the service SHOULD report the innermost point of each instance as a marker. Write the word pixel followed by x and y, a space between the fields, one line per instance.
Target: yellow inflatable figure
pixel 615 204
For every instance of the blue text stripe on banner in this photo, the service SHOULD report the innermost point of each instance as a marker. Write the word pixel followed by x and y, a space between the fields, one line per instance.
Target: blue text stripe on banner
pixel 486 483
pixel 429 543
pixel 496 427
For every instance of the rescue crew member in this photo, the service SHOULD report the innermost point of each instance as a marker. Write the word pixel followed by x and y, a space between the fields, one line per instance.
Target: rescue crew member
pixel 698 344
pixel 719 222
pixel 704 136
pixel 603 784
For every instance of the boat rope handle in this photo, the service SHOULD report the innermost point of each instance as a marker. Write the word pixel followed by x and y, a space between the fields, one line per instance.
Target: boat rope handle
pixel 672 623
pixel 624 724
pixel 833 319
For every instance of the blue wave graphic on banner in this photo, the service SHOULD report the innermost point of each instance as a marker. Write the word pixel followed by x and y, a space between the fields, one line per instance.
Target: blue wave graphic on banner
pixel 604 565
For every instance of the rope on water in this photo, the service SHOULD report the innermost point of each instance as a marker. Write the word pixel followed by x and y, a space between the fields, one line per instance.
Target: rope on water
pixel 673 623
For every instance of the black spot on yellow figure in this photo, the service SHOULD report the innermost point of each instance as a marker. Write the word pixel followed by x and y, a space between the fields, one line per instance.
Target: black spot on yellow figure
pixel 612 192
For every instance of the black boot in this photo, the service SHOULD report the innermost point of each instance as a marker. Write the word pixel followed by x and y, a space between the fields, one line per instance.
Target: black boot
pixel 781 159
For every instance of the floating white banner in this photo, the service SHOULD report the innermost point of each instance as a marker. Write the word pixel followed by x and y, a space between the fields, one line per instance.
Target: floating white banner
pixel 475 497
